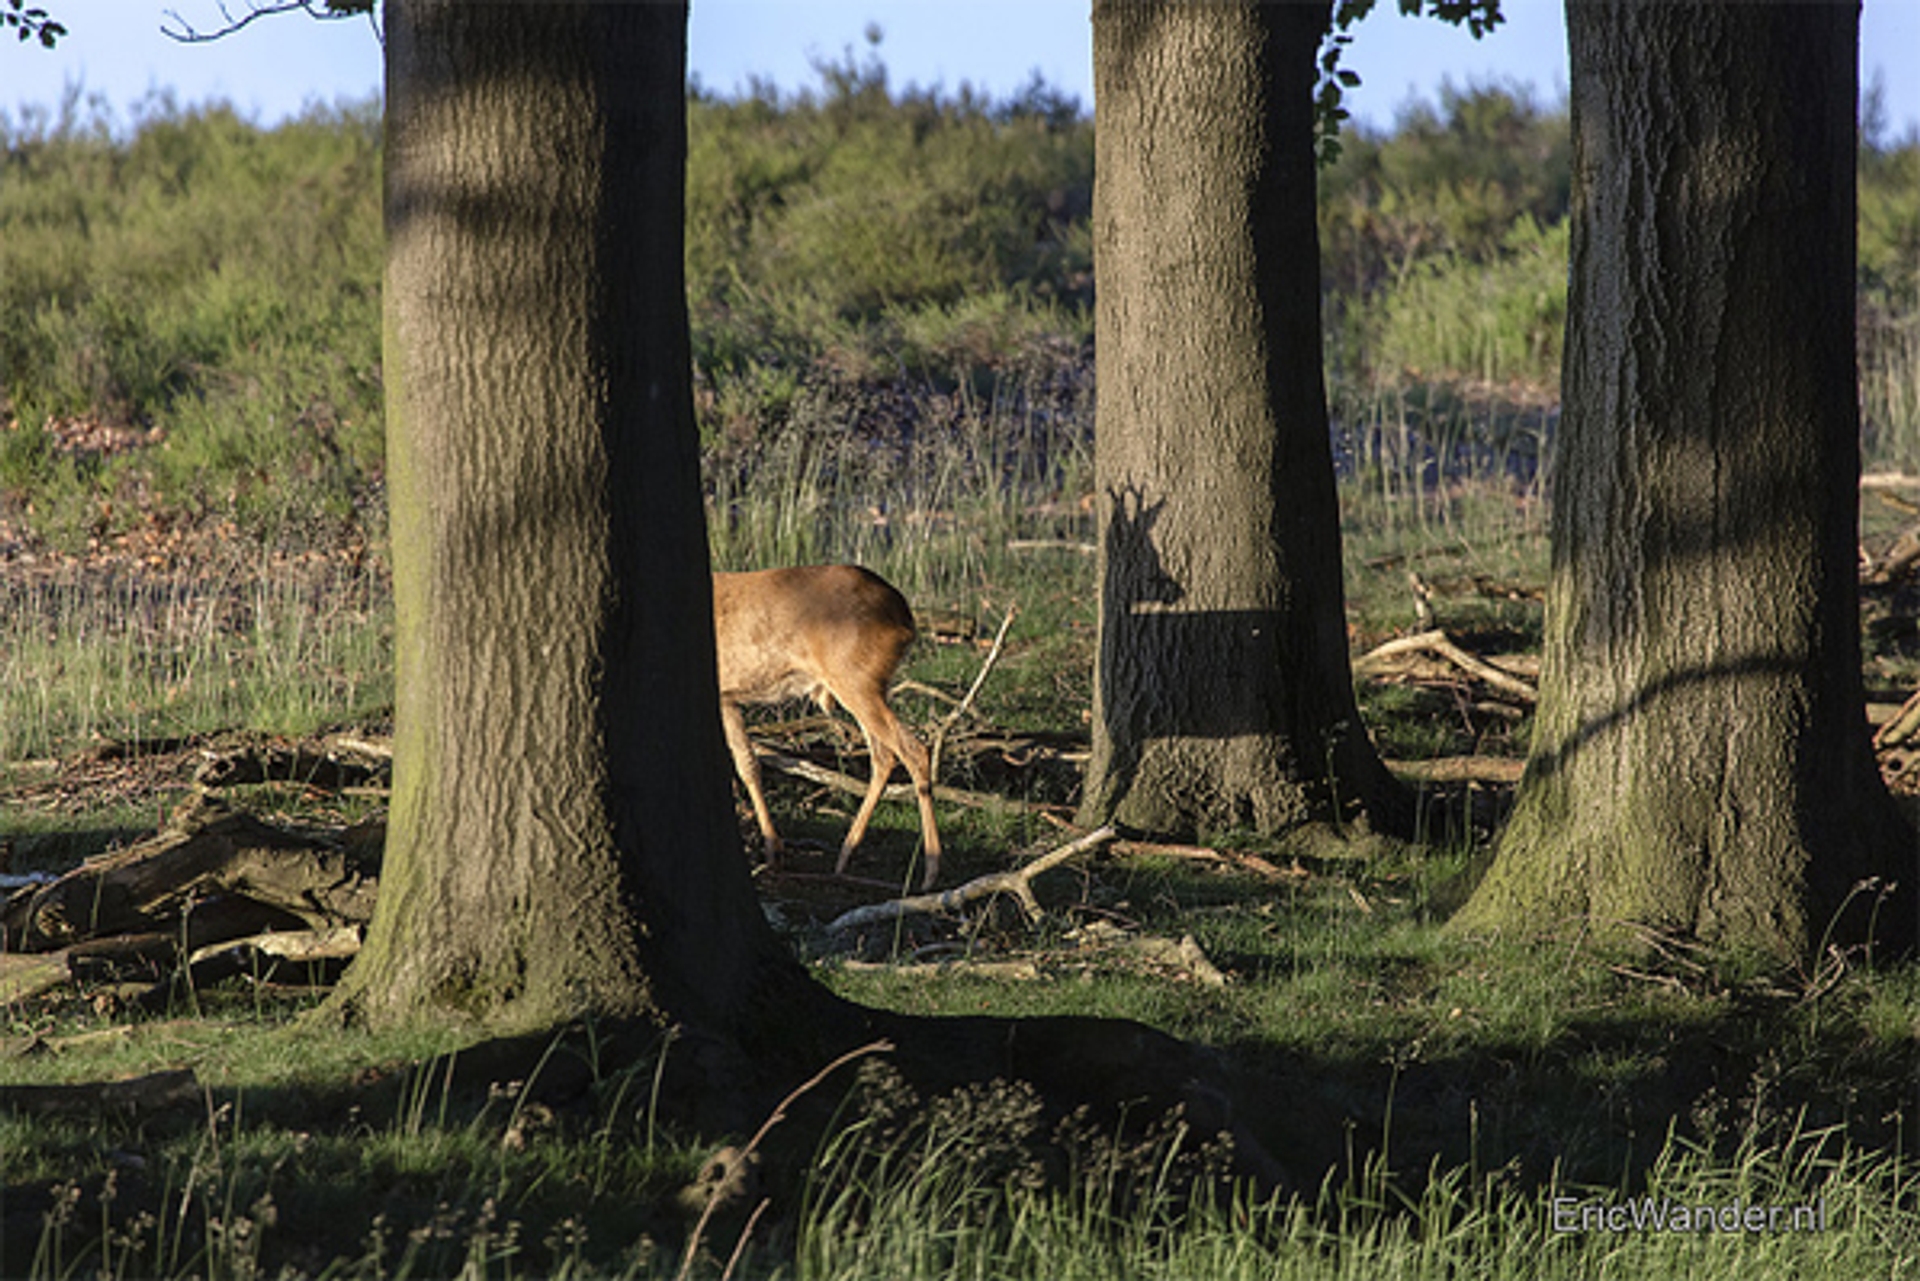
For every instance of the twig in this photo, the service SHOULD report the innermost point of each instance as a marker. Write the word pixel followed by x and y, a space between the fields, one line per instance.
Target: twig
pixel 1641 976
pixel 1206 854
pixel 924 690
pixel 1018 883
pixel 966 702
pixel 774 1118
pixel 316 9
pixel 1051 544
pixel 740 1246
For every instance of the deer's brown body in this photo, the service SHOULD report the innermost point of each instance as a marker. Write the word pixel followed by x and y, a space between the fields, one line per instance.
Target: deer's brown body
pixel 828 632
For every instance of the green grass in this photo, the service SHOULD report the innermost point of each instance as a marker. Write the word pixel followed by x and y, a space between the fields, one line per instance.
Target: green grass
pixel 254 642
pixel 911 389
pixel 1407 1069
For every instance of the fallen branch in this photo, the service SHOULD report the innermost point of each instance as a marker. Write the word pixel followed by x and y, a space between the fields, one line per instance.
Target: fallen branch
pixel 213 875
pixel 1461 769
pixel 1888 480
pixel 1009 971
pixel 1018 883
pixel 327 769
pixel 966 703
pixel 1051 544
pixel 1437 642
pixel 1206 854
pixel 804 769
pixel 1901 557
pixel 899 687
pixel 1903 725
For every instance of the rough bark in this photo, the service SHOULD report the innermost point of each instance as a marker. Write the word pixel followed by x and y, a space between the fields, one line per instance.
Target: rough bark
pixel 561 857
pixel 1701 759
pixel 1223 697
pixel 560 811
pixel 561 840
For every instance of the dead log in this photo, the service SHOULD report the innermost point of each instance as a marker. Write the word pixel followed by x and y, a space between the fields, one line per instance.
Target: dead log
pixel 330 770
pixel 213 874
pixel 1503 770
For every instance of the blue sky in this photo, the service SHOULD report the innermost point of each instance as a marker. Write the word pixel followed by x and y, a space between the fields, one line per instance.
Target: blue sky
pixel 278 65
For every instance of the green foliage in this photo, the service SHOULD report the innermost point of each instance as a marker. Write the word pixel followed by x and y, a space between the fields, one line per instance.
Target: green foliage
pixel 1443 246
pixel 1889 293
pixel 212 288
pixel 1478 16
pixel 209 283
pixel 1498 322
pixel 31 24
pixel 840 225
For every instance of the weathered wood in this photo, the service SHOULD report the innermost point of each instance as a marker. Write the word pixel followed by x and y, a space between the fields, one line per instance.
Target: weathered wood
pixel 24 977
pixel 1462 769
pixel 224 874
pixel 1236 859
pixel 329 769
pixel 1018 883
pixel 308 956
pixel 1902 726
pixel 1438 642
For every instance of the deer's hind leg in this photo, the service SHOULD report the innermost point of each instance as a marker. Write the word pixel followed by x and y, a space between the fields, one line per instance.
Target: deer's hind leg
pixel 734 722
pixel 887 741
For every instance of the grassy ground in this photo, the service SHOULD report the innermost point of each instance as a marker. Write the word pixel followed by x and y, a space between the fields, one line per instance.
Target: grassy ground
pixel 190 560
pixel 1435 1100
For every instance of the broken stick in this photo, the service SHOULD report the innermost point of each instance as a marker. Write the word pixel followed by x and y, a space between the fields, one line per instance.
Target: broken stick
pixel 1438 642
pixel 1018 883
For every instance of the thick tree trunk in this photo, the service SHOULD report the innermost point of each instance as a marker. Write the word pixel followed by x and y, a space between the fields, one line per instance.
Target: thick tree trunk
pixel 1701 760
pixel 1223 695
pixel 559 770
pixel 562 839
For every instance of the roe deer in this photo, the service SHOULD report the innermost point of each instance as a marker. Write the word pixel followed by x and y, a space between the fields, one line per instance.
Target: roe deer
pixel 828 632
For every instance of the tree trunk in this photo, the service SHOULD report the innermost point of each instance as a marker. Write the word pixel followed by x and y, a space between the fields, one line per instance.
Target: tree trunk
pixel 1223 697
pixel 562 840
pixel 1701 759
pixel 559 770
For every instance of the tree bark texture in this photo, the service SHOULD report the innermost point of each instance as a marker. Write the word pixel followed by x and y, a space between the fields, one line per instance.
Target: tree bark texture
pixel 1223 697
pixel 1701 760
pixel 561 839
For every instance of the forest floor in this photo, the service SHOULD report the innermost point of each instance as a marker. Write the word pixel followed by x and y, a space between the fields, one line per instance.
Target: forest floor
pixel 1384 1061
